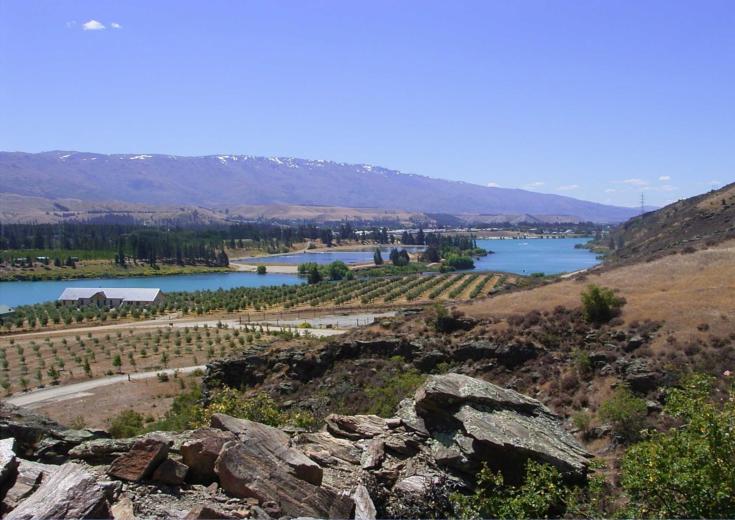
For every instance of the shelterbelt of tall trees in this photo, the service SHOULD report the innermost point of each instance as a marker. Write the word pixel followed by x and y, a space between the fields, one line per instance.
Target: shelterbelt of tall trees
pixel 132 243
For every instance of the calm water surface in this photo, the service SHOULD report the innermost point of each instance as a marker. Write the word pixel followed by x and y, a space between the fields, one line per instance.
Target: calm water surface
pixel 25 293
pixel 547 255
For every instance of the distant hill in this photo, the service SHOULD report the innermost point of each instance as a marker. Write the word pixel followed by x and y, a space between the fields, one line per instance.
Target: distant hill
pixel 685 225
pixel 237 180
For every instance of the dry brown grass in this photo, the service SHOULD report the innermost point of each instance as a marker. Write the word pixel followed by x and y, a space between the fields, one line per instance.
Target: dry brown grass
pixel 150 397
pixel 684 291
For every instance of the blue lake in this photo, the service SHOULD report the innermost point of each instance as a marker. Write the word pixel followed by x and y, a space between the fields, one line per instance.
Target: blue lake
pixel 25 293
pixel 548 256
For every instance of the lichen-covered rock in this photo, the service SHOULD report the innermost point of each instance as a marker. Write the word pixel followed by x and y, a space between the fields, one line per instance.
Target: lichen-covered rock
pixel 101 451
pixel 487 423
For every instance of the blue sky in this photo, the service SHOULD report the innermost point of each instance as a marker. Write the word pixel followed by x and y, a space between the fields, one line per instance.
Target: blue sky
pixel 596 100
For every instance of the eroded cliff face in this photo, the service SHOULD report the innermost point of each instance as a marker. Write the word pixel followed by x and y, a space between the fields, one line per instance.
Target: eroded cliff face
pixel 357 466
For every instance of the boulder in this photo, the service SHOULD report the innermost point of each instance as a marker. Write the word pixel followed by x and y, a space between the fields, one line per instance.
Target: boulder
pixel 244 472
pixel 201 451
pixel 8 463
pixel 142 459
pixel 101 451
pixel 123 509
pixel 364 507
pixel 486 423
pixel 639 374
pixel 171 472
pixel 634 343
pixel 355 426
pixel 29 477
pixel 272 446
pixel 70 492
pixel 373 455
pixel 507 355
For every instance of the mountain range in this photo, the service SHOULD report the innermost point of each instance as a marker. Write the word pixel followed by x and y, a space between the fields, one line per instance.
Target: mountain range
pixel 224 181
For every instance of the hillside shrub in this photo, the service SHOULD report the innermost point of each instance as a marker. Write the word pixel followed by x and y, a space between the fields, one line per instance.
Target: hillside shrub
pixel 625 412
pixel 261 269
pixel 689 470
pixel 127 423
pixel 600 304
pixel 384 398
pixel 259 408
pixel 541 494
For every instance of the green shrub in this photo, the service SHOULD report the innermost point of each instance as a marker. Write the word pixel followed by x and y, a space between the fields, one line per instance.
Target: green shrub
pixel 625 412
pixel 127 423
pixel 259 408
pixel 460 262
pixel 599 304
pixel 261 269
pixel 384 398
pixel 541 494
pixel 689 470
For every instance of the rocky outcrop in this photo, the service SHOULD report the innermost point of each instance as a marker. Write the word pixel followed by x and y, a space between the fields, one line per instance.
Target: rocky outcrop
pixel 435 444
pixel 481 422
pixel 37 437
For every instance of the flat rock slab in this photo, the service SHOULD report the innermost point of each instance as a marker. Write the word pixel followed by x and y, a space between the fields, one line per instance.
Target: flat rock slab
pixel 245 474
pixel 355 426
pixel 70 492
pixel 142 459
pixel 101 451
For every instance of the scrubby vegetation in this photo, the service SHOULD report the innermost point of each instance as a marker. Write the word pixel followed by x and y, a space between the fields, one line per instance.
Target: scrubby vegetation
pixel 600 304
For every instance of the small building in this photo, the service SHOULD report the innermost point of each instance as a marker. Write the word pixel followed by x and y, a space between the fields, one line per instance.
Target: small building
pixel 110 297
pixel 6 312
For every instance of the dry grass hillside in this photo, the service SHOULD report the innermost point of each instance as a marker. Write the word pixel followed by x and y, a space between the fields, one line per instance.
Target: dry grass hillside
pixel 693 294
pixel 693 223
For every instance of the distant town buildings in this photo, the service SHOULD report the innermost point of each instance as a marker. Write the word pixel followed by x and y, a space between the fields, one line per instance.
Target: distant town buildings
pixel 110 297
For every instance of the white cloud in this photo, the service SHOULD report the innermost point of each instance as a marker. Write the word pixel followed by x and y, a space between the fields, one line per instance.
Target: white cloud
pixel 664 178
pixel 610 190
pixel 668 187
pixel 115 25
pixel 493 185
pixel 92 25
pixel 568 187
pixel 635 182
